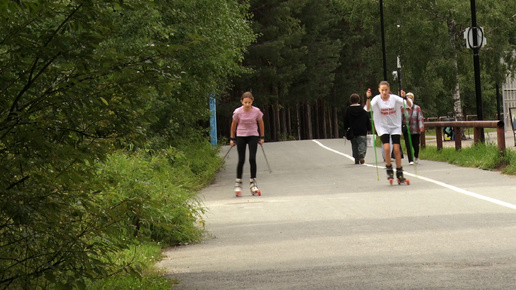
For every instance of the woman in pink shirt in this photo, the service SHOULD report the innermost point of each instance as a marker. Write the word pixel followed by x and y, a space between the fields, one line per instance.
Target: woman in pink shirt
pixel 247 120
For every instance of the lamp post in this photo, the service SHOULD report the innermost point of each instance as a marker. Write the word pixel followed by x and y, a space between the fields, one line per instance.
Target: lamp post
pixel 476 63
pixel 383 42
pixel 398 60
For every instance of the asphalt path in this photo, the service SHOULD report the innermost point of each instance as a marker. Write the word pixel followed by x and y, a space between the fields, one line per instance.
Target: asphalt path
pixel 324 223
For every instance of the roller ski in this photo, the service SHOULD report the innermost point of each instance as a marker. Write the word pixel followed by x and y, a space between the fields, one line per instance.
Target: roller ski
pixel 254 187
pixel 400 178
pixel 238 187
pixel 390 173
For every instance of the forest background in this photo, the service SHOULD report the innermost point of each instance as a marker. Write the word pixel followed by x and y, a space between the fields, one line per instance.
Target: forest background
pixel 310 56
pixel 104 106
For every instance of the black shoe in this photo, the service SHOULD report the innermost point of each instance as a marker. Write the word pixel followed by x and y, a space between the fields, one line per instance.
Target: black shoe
pixel 399 174
pixel 390 172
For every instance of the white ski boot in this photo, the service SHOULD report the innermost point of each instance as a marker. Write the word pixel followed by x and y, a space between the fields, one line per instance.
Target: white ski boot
pixel 238 187
pixel 254 187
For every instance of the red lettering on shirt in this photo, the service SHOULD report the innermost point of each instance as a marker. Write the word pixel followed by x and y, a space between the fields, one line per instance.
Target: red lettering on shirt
pixel 388 111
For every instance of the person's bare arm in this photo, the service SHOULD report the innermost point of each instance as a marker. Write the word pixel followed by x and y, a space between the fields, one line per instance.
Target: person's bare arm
pixel 232 134
pixel 262 131
pixel 368 101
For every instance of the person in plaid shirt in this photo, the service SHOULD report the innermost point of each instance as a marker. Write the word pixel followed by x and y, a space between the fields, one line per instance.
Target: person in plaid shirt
pixel 416 125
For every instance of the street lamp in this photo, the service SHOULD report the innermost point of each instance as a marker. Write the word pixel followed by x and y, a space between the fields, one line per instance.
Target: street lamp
pixel 476 63
pixel 383 42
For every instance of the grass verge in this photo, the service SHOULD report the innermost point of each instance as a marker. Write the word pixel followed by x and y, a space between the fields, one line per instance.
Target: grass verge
pixel 483 156
pixel 145 255
pixel 151 196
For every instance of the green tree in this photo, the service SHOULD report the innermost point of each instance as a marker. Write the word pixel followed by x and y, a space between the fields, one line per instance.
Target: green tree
pixel 78 80
pixel 275 58
pixel 217 34
pixel 314 85
pixel 292 64
pixel 436 64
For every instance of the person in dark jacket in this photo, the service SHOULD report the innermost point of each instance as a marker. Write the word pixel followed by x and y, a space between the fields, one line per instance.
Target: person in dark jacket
pixel 358 121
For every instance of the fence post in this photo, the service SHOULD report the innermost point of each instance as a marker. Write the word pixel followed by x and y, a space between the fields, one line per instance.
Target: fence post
pixel 500 136
pixel 477 132
pixel 458 138
pixel 439 137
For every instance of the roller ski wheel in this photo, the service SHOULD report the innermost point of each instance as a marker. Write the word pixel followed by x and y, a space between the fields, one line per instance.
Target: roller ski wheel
pixel 404 181
pixel 400 178
pixel 390 174
pixel 254 187
pixel 238 188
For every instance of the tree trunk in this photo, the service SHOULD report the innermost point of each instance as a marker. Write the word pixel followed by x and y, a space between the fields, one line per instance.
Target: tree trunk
pixel 457 104
pixel 335 122
pixel 277 121
pixel 308 126
pixel 317 122
pixel 322 119
pixel 330 124
pixel 269 121
pixel 298 115
pixel 284 131
pixel 266 120
pixel 288 125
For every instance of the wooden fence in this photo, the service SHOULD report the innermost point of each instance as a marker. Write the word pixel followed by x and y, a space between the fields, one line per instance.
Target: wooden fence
pixel 457 127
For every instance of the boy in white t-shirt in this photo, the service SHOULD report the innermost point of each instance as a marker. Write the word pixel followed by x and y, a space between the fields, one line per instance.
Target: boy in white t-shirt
pixel 387 116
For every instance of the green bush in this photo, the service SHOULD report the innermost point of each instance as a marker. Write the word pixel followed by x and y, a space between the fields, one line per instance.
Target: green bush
pixel 65 235
pixel 509 160
pixel 145 256
pixel 154 192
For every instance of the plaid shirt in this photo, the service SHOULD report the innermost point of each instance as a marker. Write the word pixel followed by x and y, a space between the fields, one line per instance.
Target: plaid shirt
pixel 415 117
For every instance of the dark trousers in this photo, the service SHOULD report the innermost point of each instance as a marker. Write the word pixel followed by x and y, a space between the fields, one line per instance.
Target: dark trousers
pixel 415 145
pixel 359 147
pixel 241 143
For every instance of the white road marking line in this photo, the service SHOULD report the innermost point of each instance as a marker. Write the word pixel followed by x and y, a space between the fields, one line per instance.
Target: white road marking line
pixel 451 187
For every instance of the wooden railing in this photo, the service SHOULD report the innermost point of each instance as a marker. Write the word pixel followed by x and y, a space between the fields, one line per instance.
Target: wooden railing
pixel 457 127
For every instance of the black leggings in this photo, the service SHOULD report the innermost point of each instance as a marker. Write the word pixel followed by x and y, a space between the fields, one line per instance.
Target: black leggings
pixel 241 143
pixel 415 144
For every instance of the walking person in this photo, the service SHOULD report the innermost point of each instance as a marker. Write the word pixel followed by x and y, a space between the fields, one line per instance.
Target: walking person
pixel 387 116
pixel 415 118
pixel 247 129
pixel 357 121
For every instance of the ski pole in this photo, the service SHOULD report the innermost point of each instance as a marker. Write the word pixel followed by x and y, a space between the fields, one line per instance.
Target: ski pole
pixel 374 147
pixel 374 142
pixel 267 161
pixel 224 159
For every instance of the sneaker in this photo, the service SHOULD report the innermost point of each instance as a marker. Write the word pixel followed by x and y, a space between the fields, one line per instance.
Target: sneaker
pixel 362 160
pixel 411 163
pixel 417 160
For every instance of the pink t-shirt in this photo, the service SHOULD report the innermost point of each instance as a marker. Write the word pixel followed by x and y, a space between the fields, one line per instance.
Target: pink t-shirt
pixel 247 121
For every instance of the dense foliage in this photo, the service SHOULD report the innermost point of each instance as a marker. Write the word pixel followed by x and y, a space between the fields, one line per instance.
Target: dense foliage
pixel 80 80
pixel 311 55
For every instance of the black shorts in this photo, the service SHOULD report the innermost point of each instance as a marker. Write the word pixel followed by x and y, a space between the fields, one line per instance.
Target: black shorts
pixel 396 139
